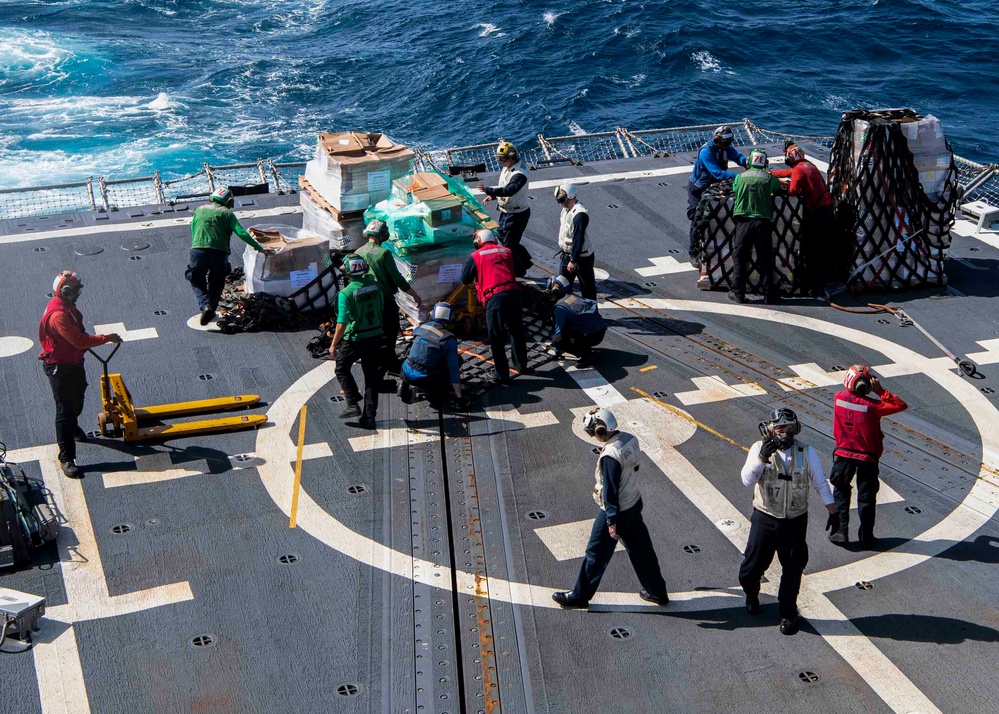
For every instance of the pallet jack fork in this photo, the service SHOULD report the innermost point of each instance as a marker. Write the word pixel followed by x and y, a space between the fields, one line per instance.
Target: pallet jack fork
pixel 121 418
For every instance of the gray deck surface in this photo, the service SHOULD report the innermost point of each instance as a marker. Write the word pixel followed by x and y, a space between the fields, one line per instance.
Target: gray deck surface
pixel 288 635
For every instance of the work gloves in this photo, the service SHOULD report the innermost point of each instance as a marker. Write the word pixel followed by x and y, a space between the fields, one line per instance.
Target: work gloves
pixel 832 525
pixel 767 449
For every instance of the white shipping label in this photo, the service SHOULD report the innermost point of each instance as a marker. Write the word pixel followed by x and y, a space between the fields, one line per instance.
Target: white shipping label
pixel 343 142
pixel 301 278
pixel 449 273
pixel 379 180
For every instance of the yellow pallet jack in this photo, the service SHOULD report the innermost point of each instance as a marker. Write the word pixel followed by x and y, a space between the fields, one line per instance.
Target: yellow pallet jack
pixel 121 418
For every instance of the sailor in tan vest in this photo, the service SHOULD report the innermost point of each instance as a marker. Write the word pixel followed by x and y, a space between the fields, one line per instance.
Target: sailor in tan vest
pixel 781 470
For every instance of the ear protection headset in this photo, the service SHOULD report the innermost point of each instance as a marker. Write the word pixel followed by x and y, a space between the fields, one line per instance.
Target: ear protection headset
pixel 599 423
pixel 67 284
pixel 858 380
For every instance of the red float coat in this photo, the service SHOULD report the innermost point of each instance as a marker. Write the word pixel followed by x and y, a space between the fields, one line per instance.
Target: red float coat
pixel 808 183
pixel 62 336
pixel 857 424
pixel 495 271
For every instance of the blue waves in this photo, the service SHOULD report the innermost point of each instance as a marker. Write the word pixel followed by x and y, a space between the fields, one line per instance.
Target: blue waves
pixel 120 88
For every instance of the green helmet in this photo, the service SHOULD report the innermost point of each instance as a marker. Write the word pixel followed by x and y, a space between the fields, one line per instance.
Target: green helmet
pixel 757 159
pixel 354 265
pixel 377 228
pixel 223 196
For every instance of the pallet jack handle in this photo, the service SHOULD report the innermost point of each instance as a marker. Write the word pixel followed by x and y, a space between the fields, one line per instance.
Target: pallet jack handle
pixel 104 360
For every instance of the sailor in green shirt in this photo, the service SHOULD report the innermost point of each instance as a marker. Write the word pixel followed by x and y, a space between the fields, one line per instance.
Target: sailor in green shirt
pixel 211 227
pixel 754 192
pixel 358 337
pixel 382 269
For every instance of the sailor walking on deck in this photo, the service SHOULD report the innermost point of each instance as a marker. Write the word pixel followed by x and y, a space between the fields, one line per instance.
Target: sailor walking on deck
pixel 710 167
pixel 579 326
pixel 617 494
pixel 382 269
pixel 576 252
pixel 859 445
pixel 64 342
pixel 211 228
pixel 360 338
pixel 753 211
pixel 433 363
pixel 492 268
pixel 781 470
pixel 510 193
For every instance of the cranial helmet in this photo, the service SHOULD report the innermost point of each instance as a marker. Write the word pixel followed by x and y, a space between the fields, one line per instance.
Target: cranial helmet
pixel 793 155
pixel 757 159
pixel 222 196
pixel 781 427
pixel 377 228
pixel 443 312
pixel 506 150
pixel 354 265
pixel 67 285
pixel 858 379
pixel 484 236
pixel 599 422
pixel 723 135
pixel 558 286
pixel 564 191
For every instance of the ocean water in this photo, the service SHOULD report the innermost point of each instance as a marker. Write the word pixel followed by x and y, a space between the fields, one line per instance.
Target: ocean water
pixel 122 87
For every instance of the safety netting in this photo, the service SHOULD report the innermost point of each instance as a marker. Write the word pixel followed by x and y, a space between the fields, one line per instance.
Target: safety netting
pixel 259 312
pixel 894 184
pixel 715 222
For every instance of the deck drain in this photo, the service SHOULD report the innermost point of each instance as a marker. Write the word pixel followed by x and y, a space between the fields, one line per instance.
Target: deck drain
pixel 864 585
pixel 160 312
pixel 974 249
pixel 612 205
pixel 883 321
pixel 39 249
pixel 837 368
pixel 650 284
pixel 662 183
pixel 808 677
pixel 691 548
pixel 672 251
pixel 357 488
pixel 134 245
pixel 135 257
pixel 595 449
pixel 243 457
pixel 202 640
pixel 337 398
pixel 153 522
pixel 987 390
pixel 913 509
pixel 84 250
pixel 537 515
pixel 121 528
pixel 660 395
pixel 288 559
pixel 205 377
pixel 348 689
pixel 620 633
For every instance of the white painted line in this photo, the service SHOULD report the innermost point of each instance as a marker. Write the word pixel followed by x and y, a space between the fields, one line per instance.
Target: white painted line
pixel 568 540
pixel 391 434
pixel 513 416
pixel 154 468
pixel 600 274
pixel 321 450
pixel 194 322
pixel 967 229
pixel 12 345
pixel 713 389
pixel 595 386
pixel 118 328
pixel 58 669
pixel 621 176
pixel 811 375
pixel 819 163
pixel 665 265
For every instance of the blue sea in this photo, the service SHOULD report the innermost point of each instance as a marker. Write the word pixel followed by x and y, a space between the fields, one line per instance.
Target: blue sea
pixel 119 88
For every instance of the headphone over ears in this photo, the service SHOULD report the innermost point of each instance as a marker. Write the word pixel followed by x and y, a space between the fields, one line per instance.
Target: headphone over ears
pixel 67 284
pixel 599 422
pixel 858 380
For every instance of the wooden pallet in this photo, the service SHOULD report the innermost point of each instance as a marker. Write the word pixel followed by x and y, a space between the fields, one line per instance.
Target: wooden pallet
pixel 340 216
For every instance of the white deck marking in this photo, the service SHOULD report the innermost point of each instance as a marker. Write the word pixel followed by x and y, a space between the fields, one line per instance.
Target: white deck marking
pixel 713 389
pixel 600 274
pixel 665 265
pixel 194 322
pixel 395 432
pixel 967 229
pixel 514 420
pixel 145 333
pixel 57 660
pixel 811 375
pixel 567 541
pixel 595 386
pixel 321 450
pixel 13 345
pixel 154 468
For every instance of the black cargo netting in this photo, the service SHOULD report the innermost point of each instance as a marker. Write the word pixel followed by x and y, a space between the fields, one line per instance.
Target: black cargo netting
pixel 714 219
pixel 258 312
pixel 899 234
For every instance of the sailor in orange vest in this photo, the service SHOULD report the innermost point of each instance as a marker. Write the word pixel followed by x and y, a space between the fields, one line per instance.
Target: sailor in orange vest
pixel 859 445
pixel 64 342
pixel 491 268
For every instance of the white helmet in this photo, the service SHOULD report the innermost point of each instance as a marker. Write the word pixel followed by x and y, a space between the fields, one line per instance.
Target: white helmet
pixel 442 312
pixel 565 191
pixel 757 159
pixel 67 285
pixel 354 265
pixel 599 422
pixel 484 235
pixel 558 286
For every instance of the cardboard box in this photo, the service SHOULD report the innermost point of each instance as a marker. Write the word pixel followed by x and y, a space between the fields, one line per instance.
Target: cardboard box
pixel 300 258
pixel 355 170
pixel 443 211
pixel 344 234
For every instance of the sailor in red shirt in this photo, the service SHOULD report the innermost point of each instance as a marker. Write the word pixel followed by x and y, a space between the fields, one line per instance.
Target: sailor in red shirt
pixel 859 444
pixel 64 342
pixel 818 220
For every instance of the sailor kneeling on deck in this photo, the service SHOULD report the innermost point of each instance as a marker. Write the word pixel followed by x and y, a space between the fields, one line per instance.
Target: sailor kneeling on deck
pixel 433 363
pixel 578 325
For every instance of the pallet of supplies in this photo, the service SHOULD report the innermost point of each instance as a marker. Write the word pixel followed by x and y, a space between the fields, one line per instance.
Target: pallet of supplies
pixel 344 231
pixel 355 170
pixel 300 256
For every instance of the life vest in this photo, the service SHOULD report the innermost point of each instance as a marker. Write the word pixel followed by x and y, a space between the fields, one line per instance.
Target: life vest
pixel 56 350
pixel 494 266
pixel 583 316
pixel 565 230
pixel 784 497
pixel 518 202
pixel 428 353
pixel 857 428
pixel 366 306
pixel 623 449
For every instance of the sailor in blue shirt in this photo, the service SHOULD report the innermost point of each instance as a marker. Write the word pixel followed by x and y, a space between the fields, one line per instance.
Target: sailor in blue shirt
pixel 578 325
pixel 711 167
pixel 433 360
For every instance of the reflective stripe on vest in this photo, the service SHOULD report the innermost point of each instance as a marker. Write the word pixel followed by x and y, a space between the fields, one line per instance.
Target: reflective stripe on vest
pixel 565 230
pixel 625 450
pixel 518 202
pixel 857 428
pixel 782 497
pixel 494 266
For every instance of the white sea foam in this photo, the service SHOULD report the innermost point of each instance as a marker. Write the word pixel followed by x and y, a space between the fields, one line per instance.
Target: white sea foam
pixel 706 61
pixel 575 128
pixel 550 18
pixel 36 57
pixel 162 102
pixel 488 29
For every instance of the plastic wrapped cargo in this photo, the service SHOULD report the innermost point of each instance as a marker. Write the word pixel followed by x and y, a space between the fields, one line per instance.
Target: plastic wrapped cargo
pixel 299 259
pixel 355 170
pixel 345 234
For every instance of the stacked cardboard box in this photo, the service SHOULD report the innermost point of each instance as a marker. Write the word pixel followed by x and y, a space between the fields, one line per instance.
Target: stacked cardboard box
pixel 301 256
pixel 354 170
pixel 344 231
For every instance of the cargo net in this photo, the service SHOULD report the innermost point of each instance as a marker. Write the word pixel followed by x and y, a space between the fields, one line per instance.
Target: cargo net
pixel 899 233
pixel 259 312
pixel 714 220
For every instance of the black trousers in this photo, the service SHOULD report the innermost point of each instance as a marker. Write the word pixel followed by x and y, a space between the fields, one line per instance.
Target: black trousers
pixel 584 271
pixel 600 549
pixel 504 317
pixel 786 538
pixel 511 227
pixel 368 352
pixel 753 233
pixel 390 325
pixel 868 484
pixel 576 344
pixel 436 387
pixel 817 237
pixel 693 198
pixel 69 384
pixel 206 273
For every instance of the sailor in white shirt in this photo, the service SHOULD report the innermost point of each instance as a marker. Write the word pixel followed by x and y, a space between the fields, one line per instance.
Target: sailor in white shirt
pixel 781 471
